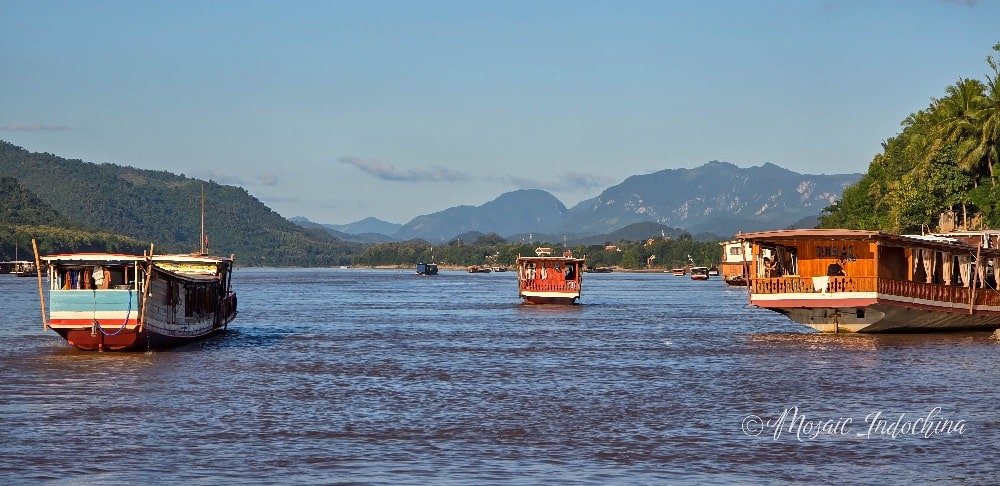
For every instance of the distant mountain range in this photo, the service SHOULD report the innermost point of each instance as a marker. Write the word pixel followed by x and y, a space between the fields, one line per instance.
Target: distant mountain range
pixel 79 204
pixel 717 198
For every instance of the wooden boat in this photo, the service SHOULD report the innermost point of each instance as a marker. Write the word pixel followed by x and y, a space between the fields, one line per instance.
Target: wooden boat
pixel 868 281
pixel 546 279
pixel 679 271
pixel 111 302
pixel 699 273
pixel 478 269
pixel 427 269
pixel 713 271
pixel 23 268
pixel 598 270
pixel 735 262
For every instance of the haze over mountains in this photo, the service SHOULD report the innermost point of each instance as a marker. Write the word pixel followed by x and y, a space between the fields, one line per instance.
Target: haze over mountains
pixel 717 197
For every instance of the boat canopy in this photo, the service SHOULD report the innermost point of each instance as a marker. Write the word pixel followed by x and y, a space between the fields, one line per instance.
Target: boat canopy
pixel 937 242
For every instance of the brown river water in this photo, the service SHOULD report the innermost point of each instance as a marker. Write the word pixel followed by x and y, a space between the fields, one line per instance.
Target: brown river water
pixel 384 377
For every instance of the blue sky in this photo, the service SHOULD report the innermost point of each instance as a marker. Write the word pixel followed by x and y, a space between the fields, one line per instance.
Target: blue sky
pixel 338 110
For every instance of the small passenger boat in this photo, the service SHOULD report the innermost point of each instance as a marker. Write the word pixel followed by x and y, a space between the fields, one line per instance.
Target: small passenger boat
pixel 427 269
pixel 112 302
pixel 838 280
pixel 546 279
pixel 699 273
pixel 679 271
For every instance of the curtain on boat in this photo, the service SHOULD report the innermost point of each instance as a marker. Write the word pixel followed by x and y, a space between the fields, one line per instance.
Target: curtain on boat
pixel 981 271
pixel 927 256
pixel 965 268
pixel 946 264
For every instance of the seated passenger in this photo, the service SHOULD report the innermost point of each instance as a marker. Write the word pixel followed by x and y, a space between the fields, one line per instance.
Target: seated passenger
pixel 835 269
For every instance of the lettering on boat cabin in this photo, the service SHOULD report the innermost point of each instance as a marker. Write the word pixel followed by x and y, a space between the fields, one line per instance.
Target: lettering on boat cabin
pixel 842 252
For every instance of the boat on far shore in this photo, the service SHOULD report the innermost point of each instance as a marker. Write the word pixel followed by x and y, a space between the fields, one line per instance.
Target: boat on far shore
pixel 679 271
pixel 22 268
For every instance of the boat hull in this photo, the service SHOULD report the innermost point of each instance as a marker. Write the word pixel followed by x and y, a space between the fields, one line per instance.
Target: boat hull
pixel 873 313
pixel 550 299
pixel 146 340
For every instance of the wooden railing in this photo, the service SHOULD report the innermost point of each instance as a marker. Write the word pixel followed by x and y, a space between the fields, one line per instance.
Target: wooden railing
pixel 806 285
pixel 549 285
pixel 902 288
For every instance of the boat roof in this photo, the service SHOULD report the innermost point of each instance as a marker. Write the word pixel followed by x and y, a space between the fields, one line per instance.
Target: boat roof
pixel 124 257
pixel 932 241
pixel 549 258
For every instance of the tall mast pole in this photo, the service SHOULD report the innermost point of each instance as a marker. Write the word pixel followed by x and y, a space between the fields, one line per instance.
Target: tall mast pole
pixel 203 218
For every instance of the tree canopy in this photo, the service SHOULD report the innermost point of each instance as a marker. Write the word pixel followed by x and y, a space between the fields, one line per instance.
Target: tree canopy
pixel 944 159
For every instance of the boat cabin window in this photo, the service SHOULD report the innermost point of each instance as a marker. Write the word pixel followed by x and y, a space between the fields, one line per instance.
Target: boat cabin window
pixel 94 277
pixel 776 261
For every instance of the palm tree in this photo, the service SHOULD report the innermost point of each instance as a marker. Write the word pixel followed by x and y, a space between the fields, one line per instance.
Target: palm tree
pixel 960 124
pixel 989 116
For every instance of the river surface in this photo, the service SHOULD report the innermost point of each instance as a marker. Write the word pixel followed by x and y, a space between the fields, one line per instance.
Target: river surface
pixel 385 377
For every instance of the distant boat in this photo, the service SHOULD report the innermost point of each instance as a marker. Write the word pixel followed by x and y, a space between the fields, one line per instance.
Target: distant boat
pixel 499 268
pixel 427 269
pixel 713 271
pixel 546 279
pixel 699 273
pixel 111 302
pixel 599 270
pixel 679 271
pixel 478 269
pixel 23 268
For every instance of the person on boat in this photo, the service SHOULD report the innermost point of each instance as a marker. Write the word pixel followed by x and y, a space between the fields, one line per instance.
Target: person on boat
pixel 771 268
pixel 835 269
pixel 570 272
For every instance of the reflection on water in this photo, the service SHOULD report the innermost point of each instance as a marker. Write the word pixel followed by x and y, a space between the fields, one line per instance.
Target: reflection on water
pixel 387 377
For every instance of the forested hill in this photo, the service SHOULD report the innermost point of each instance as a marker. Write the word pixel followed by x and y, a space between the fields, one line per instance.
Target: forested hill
pixel 164 208
pixel 945 158
pixel 23 216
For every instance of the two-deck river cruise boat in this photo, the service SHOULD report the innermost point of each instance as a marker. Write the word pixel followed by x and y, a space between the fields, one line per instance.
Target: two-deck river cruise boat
pixel 836 280
pixel 104 301
pixel 545 279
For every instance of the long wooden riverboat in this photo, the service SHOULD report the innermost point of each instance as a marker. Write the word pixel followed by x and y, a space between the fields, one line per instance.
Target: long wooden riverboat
pixel 111 302
pixel 546 279
pixel 836 280
pixel 735 262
